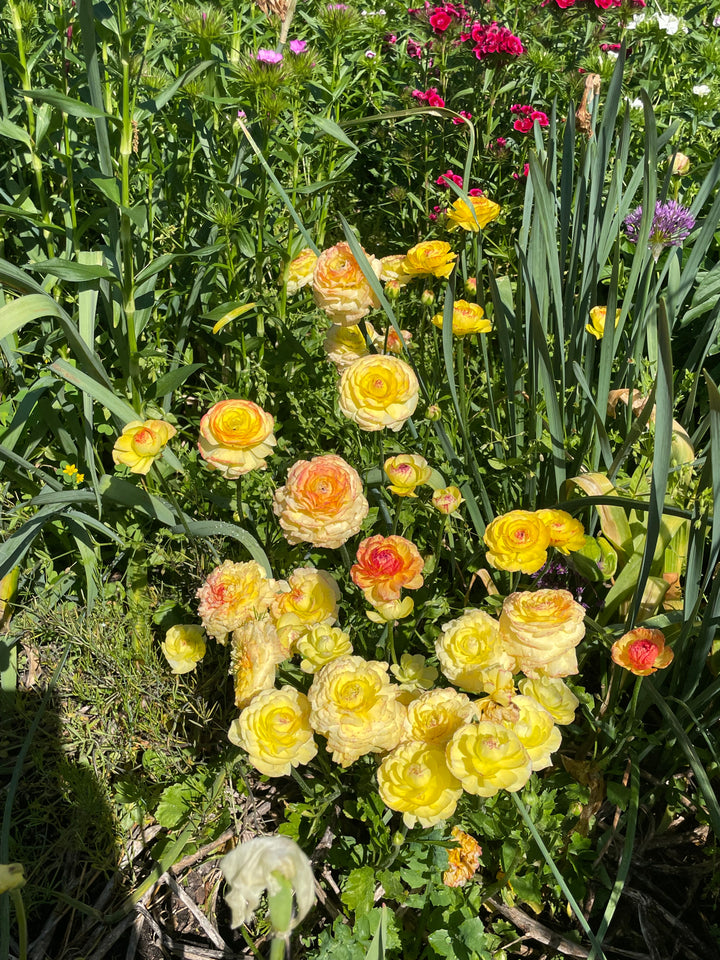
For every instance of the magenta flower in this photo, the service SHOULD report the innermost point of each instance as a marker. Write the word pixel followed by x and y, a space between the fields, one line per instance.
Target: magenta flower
pixel 298 46
pixel 268 56
pixel 672 222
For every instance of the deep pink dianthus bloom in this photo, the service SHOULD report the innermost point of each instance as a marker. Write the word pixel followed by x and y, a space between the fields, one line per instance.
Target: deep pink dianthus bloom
pixel 298 46
pixel 443 179
pixel 434 99
pixel 440 20
pixel 475 192
pixel 463 113
pixel 268 56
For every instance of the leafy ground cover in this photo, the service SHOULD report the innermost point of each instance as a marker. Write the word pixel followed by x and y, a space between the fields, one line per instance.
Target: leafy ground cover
pixel 336 507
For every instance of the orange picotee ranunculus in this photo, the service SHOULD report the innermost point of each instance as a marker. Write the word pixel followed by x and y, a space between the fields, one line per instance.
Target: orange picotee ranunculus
pixel 140 443
pixel 642 651
pixel 235 437
pixel 385 565
pixel 322 502
pixel 341 288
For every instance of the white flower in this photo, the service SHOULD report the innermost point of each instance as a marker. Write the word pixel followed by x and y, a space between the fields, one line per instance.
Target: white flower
pixel 611 54
pixel 637 20
pixel 701 90
pixel 370 54
pixel 716 21
pixel 255 866
pixel 669 23
pixel 635 104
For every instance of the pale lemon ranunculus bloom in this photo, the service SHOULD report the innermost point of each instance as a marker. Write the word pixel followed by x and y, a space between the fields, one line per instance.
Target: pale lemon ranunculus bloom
pixel 233 594
pixel 322 644
pixel 469 648
pixel 414 779
pixel 392 269
pixel 184 646
pixel 388 611
pixel 467 318
pixel 308 598
pixel 344 345
pixel 140 443
pixel 255 866
pixel 12 876
pixel 536 731
pixel 235 437
pixel 275 731
pixel 406 471
pixel 553 694
pixel 435 715
pixel 487 757
pixel 355 707
pixel 598 318
pixel 474 217
pixel 413 672
pixel 540 629
pixel 378 391
pixel 322 502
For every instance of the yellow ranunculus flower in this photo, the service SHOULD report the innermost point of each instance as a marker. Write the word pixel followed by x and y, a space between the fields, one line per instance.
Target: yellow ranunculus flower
pixel 405 472
pixel 340 287
pixel 183 646
pixel 392 268
pixel 414 779
pixel 344 345
pixel 274 730
pixel 235 437
pixel 413 672
pixel 517 541
pixel 355 707
pixel 487 757
pixel 322 502
pixel 447 499
pixel 388 611
pixel 12 876
pixel 255 654
pixel 140 444
pixel 378 391
pixel 536 731
pixel 540 630
pixel 467 318
pixel 322 644
pixel 300 271
pixel 598 318
pixel 474 217
pixel 469 649
pixel 553 694
pixel 436 714
pixel 566 533
pixel 233 594
pixel 309 597
pixel 431 258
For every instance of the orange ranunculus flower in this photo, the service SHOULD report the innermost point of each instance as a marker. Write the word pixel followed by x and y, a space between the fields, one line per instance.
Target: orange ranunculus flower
pixel 140 443
pixel 256 651
pixel 517 541
pixel 540 629
pixel 233 594
pixel 322 502
pixel 463 860
pixel 475 217
pixel 447 499
pixel 393 343
pixel 385 565
pixel 566 533
pixel 300 271
pixel 467 318
pixel 405 472
pixel 378 391
pixel 235 437
pixel 431 258
pixel 340 287
pixel 642 651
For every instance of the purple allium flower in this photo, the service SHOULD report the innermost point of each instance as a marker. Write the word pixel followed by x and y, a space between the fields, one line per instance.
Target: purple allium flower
pixel 298 46
pixel 268 56
pixel 671 223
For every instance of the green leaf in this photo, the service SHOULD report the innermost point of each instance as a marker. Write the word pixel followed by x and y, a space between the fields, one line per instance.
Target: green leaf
pixel 174 805
pixel 171 380
pixel 218 528
pixel 119 490
pixel 69 270
pixel 358 891
pixel 116 405
pixel 332 129
pixel 74 108
pixel 14 132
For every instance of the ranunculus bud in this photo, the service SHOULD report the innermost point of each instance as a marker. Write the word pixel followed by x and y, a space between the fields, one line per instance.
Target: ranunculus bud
pixel 433 412
pixel 427 298
pixel 392 289
pixel 681 164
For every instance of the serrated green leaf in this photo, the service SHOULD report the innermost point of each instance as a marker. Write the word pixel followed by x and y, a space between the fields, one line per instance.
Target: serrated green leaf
pixel 358 891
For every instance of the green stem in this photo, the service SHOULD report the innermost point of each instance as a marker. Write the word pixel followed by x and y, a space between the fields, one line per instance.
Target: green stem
pixel 167 490
pixel 17 900
pixel 277 948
